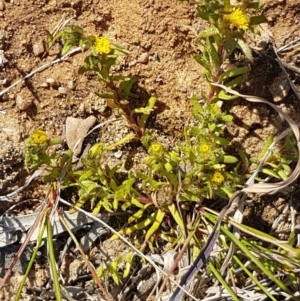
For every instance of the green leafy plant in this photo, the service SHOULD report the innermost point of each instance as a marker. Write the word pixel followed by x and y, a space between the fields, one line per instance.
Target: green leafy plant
pixel 40 152
pixel 103 58
pixel 278 162
pixel 174 180
pixel 228 24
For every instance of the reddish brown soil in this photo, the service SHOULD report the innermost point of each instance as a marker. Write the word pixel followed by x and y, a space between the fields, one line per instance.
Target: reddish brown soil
pixel 161 37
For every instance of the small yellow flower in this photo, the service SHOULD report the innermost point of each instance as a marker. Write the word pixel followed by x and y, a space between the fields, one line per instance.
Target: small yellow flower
pixel 218 178
pixel 205 148
pixel 156 149
pixel 239 19
pixel 102 45
pixel 39 137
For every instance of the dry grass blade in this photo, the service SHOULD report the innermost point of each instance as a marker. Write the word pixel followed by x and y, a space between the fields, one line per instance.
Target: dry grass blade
pixel 8 197
pixel 282 66
pixel 271 187
pixel 39 69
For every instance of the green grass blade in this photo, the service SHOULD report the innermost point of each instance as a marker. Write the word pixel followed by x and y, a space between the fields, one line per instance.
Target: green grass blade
pixel 292 252
pixel 222 281
pixel 29 266
pixel 52 260
pixel 253 278
pixel 256 261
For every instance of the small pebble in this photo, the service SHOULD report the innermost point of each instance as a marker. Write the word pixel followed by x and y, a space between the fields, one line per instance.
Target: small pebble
pixel 118 154
pixel 23 104
pixel 44 85
pixel 62 90
pixel 132 63
pixel 51 81
pixel 38 48
pixel 144 58
pixel 182 89
pixel 71 85
pixel 2 5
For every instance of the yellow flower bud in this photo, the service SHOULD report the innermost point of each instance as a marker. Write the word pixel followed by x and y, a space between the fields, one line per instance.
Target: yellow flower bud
pixel 39 137
pixel 102 45
pixel 218 178
pixel 239 19
pixel 156 149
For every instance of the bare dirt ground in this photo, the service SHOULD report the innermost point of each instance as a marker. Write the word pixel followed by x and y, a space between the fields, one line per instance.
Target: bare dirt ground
pixel 161 37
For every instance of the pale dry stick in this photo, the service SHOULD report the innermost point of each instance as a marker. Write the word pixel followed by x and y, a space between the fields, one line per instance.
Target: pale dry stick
pixel 286 74
pixel 41 68
pixel 61 24
pixel 8 197
pixel 292 68
pixel 287 46
pixel 157 268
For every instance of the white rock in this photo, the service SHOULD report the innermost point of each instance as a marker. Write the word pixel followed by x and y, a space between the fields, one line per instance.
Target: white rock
pixel 38 48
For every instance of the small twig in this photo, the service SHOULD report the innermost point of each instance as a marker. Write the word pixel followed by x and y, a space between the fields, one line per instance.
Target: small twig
pixel 9 196
pixel 286 47
pixel 286 74
pixel 41 68
pixel 61 24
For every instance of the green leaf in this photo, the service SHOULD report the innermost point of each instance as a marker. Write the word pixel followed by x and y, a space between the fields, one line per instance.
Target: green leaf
pixel 148 109
pixel 208 32
pixel 254 279
pixel 143 224
pixel 173 210
pixel 255 20
pixel 99 271
pixel 113 268
pixel 282 175
pixel 246 50
pixel 245 161
pixel 125 86
pixel 227 118
pixel 232 73
pixel 136 215
pixel 222 281
pixel 214 56
pixel 105 95
pixel 256 5
pixel 266 147
pixel 224 96
pixel 168 167
pixel 229 45
pixel 235 82
pixel 203 62
pixel 87 173
pixel 159 215
pixel 66 48
pixel 128 258
pixel 230 159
